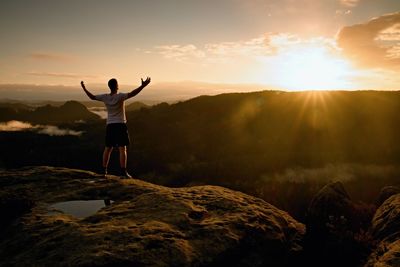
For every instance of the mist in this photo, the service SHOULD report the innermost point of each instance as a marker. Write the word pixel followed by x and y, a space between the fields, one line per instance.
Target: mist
pixel 14 126
pixel 101 111
pixel 334 172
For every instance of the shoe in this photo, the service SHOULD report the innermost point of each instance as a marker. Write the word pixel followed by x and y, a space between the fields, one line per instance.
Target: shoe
pixel 105 173
pixel 126 175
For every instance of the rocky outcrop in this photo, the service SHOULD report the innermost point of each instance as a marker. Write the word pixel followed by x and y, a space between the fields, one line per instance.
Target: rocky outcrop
pixel 387 192
pixel 146 224
pixel 386 254
pixel 386 229
pixel 331 204
pixel 333 227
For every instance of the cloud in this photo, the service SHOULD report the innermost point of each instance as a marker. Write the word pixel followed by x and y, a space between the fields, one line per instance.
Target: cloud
pixel 390 34
pixel 343 12
pixel 349 3
pixel 61 74
pixel 46 56
pixel 283 42
pixel 268 44
pixel 101 111
pixel 254 47
pixel 14 126
pixel 375 43
pixel 213 52
pixel 180 52
pixel 55 131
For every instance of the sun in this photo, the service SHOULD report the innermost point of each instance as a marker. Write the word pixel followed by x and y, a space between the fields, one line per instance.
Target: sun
pixel 311 68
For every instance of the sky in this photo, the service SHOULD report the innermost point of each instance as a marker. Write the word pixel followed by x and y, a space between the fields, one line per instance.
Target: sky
pixel 277 44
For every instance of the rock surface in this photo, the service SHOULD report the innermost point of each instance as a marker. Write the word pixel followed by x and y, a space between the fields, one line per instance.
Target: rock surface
pixel 330 226
pixel 12 206
pixel 146 225
pixel 387 192
pixel 331 203
pixel 386 229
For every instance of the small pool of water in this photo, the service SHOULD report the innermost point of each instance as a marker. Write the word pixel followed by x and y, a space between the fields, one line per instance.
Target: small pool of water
pixel 81 208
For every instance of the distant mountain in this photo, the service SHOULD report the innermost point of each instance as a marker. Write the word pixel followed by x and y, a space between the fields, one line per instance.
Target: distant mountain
pixel 69 112
pixel 31 103
pixel 16 106
pixel 135 106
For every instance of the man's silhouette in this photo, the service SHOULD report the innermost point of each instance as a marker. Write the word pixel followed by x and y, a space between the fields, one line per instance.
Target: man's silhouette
pixel 116 131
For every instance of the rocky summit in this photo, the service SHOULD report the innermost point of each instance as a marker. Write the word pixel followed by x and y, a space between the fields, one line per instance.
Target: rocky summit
pixel 386 229
pixel 141 224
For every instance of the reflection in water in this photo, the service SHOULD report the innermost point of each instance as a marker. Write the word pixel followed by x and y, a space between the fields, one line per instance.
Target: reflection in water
pixel 81 208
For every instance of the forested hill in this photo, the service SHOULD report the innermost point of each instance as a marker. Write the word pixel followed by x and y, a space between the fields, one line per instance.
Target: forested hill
pixel 230 135
pixel 247 134
pixel 69 112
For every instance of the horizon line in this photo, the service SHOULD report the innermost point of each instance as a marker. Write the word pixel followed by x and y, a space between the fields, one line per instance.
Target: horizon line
pixel 263 87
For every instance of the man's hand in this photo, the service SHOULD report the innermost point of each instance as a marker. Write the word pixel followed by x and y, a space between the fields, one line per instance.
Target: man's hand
pixel 140 88
pixel 146 82
pixel 89 94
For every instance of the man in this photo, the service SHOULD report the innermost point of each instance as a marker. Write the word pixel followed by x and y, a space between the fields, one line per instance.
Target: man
pixel 116 131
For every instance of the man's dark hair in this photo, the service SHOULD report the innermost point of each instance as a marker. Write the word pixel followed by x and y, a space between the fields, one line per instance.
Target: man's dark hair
pixel 113 84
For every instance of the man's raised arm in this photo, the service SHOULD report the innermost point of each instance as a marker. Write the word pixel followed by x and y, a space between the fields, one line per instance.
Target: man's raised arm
pixel 89 94
pixel 140 88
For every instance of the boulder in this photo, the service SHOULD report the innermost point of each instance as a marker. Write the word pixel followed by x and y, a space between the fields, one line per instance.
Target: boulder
pixel 386 229
pixel 331 205
pixel 386 254
pixel 145 225
pixel 386 221
pixel 387 192
pixel 333 227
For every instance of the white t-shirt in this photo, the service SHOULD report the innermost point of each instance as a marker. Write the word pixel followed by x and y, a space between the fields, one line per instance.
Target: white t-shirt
pixel 115 105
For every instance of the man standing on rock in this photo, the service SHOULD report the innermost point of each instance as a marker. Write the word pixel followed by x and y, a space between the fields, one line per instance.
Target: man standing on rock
pixel 116 131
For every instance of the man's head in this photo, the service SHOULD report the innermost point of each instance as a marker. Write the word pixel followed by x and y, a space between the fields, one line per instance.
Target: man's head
pixel 113 85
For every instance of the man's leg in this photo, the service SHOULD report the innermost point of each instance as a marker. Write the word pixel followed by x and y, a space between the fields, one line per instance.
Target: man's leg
pixel 122 161
pixel 106 157
pixel 122 157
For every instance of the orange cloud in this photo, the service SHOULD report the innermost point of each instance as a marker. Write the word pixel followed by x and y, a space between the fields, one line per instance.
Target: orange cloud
pixel 257 47
pixel 50 56
pixel 350 3
pixel 343 12
pixel 180 52
pixel 61 74
pixel 373 44
pixel 221 52
pixel 257 55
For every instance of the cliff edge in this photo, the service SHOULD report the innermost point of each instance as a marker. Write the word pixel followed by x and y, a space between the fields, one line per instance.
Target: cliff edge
pixel 140 224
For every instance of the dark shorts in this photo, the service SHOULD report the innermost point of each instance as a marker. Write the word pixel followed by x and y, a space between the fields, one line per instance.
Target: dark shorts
pixel 117 135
